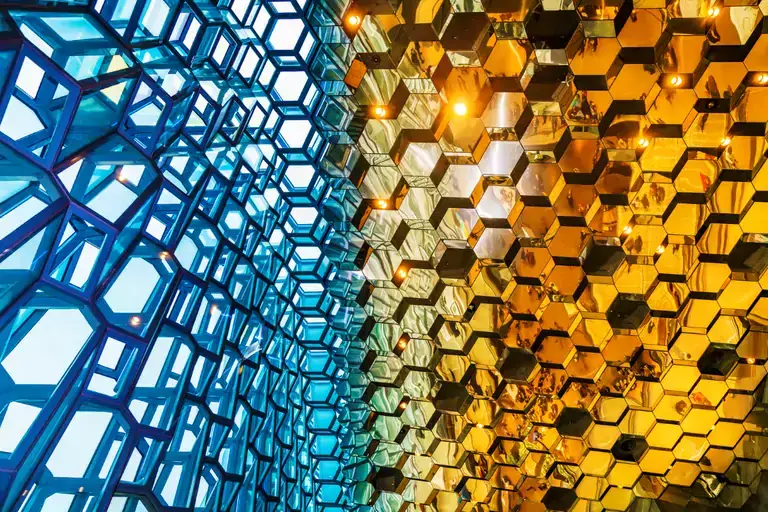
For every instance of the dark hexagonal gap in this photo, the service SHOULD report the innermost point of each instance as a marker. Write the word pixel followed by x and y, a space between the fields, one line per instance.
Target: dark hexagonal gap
pixel 629 448
pixel 518 365
pixel 465 30
pixel 626 313
pixel 717 360
pixel 451 397
pixel 748 257
pixel 558 498
pixel 387 479
pixel 551 29
pixel 574 422
pixel 603 260
pixel 455 263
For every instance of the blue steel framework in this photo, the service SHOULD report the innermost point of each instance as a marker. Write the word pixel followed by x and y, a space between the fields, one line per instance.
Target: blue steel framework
pixel 178 323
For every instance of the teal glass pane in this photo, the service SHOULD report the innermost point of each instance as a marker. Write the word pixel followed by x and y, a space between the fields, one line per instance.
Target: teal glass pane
pixel 178 323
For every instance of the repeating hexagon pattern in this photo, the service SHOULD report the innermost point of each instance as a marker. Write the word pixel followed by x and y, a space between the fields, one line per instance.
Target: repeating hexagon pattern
pixel 388 256
pixel 563 207
pixel 176 285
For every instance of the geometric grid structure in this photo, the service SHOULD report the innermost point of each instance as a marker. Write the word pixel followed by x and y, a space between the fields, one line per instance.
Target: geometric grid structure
pixel 405 255
pixel 563 211
pixel 174 316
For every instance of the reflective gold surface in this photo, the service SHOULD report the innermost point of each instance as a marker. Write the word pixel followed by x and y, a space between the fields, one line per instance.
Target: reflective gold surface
pixel 568 294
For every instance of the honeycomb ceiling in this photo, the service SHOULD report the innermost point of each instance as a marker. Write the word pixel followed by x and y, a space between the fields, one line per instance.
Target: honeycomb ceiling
pixel 563 210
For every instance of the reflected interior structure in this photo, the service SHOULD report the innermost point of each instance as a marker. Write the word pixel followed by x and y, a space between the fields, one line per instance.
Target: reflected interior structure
pixel 564 224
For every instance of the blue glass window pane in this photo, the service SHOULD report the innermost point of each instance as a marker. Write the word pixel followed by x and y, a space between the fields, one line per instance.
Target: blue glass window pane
pixel 176 302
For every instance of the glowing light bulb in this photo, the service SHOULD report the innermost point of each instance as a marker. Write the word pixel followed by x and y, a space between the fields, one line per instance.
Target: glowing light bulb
pixel 750 360
pixel 382 203
pixel 403 405
pixel 353 20
pixel 164 255
pixel 135 321
pixel 725 142
pixel 713 12
pixel 627 230
pixel 676 81
pixel 660 249
pixel 762 78
pixel 460 109
pixel 380 111
pixel 402 343
pixel 402 273
pixel 643 142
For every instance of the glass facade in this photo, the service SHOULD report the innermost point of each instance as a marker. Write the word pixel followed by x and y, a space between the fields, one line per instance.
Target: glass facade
pixel 174 264
pixel 413 255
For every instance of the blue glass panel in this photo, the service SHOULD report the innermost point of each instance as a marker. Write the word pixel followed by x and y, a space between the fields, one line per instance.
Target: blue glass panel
pixel 176 286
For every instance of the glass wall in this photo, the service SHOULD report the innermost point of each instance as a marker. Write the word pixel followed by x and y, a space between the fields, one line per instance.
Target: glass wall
pixel 176 290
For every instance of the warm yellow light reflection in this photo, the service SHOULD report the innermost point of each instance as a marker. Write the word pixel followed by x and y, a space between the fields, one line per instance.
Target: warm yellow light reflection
pixel 643 142
pixel 382 203
pixel 353 20
pixel 676 81
pixel 725 142
pixel 460 109
pixel 380 111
